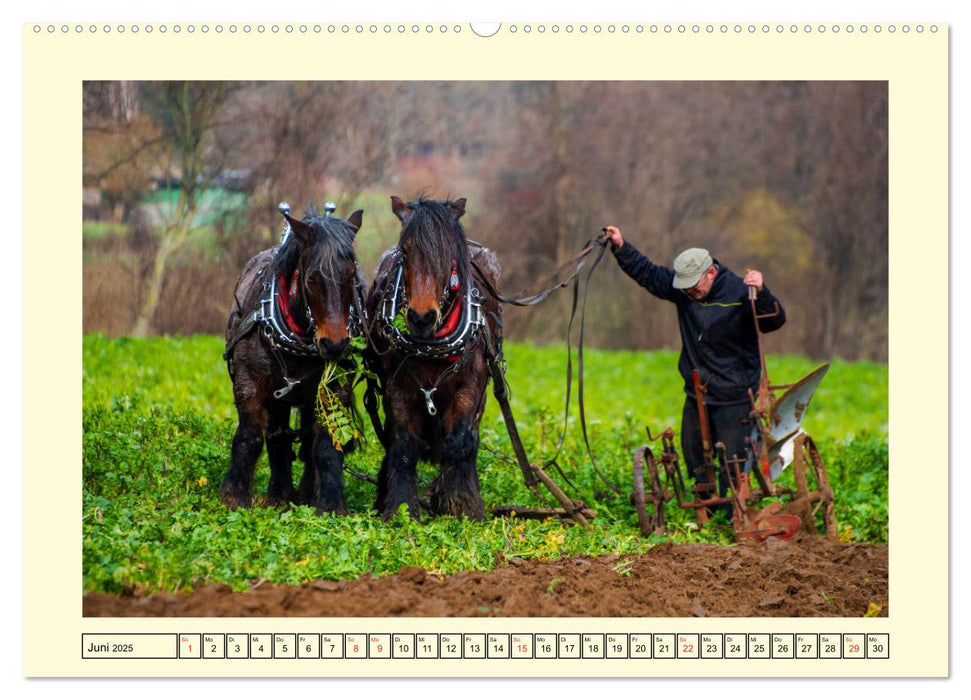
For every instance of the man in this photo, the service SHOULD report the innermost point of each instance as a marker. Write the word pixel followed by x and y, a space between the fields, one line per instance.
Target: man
pixel 718 339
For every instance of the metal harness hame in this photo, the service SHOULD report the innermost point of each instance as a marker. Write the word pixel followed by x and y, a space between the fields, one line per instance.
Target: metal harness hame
pixel 268 318
pixel 395 298
pixel 449 347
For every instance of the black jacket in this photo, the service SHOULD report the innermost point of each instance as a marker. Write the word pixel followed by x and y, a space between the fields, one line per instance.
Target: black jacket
pixel 717 333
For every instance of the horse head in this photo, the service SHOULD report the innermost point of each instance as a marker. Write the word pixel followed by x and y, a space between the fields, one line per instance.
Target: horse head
pixel 435 261
pixel 320 255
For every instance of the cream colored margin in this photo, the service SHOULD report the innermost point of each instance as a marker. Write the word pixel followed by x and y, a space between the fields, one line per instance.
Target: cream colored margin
pixel 56 63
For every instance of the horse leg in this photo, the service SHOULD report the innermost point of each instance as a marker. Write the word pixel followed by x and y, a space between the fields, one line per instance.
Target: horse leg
pixel 279 450
pixel 322 485
pixel 398 478
pixel 236 490
pixel 455 490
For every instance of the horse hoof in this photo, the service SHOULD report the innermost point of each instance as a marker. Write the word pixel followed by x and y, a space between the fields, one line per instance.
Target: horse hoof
pixel 280 497
pixel 339 509
pixel 471 508
pixel 389 513
pixel 475 515
pixel 234 502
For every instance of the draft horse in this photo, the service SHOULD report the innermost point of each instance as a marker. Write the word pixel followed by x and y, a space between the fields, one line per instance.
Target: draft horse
pixel 431 327
pixel 295 308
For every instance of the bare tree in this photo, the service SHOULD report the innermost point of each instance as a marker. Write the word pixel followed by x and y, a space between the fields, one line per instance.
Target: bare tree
pixel 191 110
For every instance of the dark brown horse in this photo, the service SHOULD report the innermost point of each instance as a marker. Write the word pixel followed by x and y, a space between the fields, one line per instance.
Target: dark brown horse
pixel 430 320
pixel 292 311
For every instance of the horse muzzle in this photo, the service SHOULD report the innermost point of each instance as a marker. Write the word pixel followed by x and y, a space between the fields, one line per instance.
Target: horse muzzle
pixel 422 325
pixel 329 350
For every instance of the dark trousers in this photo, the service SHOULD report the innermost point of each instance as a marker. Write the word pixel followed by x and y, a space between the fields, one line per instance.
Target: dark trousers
pixel 729 425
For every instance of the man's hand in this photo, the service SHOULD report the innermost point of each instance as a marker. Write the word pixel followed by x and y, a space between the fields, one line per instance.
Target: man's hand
pixel 613 234
pixel 753 278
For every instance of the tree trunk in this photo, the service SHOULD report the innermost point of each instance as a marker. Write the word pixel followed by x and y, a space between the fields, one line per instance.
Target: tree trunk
pixel 194 108
pixel 143 324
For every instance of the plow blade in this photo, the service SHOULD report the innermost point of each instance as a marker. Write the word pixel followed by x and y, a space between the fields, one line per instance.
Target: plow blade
pixel 785 418
pixel 782 453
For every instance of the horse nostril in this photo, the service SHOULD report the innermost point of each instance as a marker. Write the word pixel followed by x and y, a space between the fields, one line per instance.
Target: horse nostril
pixel 329 349
pixel 421 322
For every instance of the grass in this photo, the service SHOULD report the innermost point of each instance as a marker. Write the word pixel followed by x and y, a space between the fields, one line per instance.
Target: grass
pixel 158 421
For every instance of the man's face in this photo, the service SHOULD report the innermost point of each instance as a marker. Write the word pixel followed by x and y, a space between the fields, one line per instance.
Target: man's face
pixel 700 290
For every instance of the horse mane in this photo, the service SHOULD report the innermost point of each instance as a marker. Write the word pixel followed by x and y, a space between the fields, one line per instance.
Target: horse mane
pixel 437 236
pixel 333 246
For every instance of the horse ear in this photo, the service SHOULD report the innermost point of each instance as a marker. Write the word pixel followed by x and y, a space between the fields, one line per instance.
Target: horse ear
pixel 354 220
pixel 304 233
pixel 458 207
pixel 400 209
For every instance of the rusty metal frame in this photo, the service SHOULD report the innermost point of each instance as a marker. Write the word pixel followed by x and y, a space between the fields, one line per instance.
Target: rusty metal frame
pixel 657 482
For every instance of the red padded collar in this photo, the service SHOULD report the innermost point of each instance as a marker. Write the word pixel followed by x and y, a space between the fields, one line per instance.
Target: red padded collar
pixel 288 296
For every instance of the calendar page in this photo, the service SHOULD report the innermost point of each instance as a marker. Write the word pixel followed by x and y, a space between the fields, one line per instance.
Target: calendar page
pixel 307 424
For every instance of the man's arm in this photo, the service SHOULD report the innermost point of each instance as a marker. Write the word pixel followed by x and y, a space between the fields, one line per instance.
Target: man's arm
pixel 656 279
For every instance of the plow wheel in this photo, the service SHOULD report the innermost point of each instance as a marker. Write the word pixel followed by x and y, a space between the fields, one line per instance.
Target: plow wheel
pixel 813 493
pixel 648 499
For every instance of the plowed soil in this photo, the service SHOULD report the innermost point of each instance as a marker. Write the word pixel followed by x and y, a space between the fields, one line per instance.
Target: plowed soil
pixel 805 577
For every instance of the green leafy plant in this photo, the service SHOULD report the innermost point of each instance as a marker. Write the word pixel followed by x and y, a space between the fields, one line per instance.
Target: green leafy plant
pixel 342 422
pixel 338 419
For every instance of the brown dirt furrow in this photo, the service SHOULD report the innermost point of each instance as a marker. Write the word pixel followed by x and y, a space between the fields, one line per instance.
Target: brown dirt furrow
pixel 806 577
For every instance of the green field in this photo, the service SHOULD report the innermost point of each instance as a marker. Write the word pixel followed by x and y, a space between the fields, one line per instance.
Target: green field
pixel 158 421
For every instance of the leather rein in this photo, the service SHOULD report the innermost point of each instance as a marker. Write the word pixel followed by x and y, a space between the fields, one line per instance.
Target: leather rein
pixel 497 365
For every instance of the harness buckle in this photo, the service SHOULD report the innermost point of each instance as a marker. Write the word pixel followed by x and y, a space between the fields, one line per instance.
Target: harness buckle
pixel 280 393
pixel 428 399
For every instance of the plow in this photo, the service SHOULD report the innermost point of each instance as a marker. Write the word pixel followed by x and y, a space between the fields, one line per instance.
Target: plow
pixel 739 484
pixel 776 442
